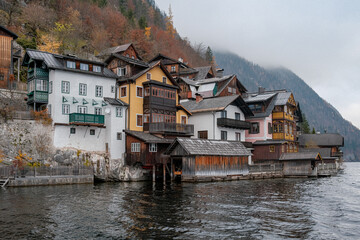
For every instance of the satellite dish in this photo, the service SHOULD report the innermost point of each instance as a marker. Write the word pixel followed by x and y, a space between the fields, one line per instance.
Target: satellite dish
pixel 107 111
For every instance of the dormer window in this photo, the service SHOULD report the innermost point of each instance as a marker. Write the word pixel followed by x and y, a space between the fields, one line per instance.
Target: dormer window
pixel 164 79
pixel 70 64
pixel 121 71
pixel 148 76
pixel 133 57
pixel 173 69
pixel 96 68
pixel 84 66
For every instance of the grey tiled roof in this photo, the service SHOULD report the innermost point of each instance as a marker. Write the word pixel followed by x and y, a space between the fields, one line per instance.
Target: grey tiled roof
pixel 210 147
pixel 202 72
pixel 267 112
pixel 116 49
pixel 250 98
pixel 56 61
pixel 324 152
pixel 282 98
pixel 147 137
pixel 116 102
pixel 268 142
pixel 209 104
pixel 128 59
pixel 320 140
pixel 299 156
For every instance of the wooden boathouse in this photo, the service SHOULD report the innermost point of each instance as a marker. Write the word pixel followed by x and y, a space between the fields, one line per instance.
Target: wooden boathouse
pixel 208 160
pixel 300 164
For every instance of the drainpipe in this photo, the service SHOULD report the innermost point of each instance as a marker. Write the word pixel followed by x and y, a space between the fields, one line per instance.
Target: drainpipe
pixel 213 113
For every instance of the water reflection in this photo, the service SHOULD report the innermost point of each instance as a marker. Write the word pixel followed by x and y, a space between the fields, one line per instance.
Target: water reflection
pixel 262 209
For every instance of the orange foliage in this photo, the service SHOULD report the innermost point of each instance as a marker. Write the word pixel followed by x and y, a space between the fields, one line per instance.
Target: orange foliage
pixel 42 116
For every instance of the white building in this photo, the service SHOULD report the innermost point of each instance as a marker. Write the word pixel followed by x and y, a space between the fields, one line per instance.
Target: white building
pixel 80 98
pixel 218 118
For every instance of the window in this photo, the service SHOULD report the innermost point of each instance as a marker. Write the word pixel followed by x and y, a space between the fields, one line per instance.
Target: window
pixel 65 109
pixel 254 128
pixel 84 66
pixel 121 71
pixel 92 131
pixel 119 136
pixel 139 91
pixel 123 92
pixel 98 91
pixel 152 147
pixel 41 85
pixel 96 68
pixel 139 120
pixel 237 116
pixel 82 109
pixel 133 57
pixel 164 79
pixel 203 134
pixel 173 69
pixel 183 119
pixel 127 55
pixel 50 87
pixel 238 136
pixel 223 114
pixel 230 89
pixel 70 64
pixel 147 91
pixel 270 130
pixel 146 118
pixel 112 89
pixel 286 129
pixel 2 77
pixel 118 112
pixel 72 130
pixel 272 148
pixel 82 89
pixel 65 87
pixel 148 76
pixel 223 135
pixel 98 111
pixel 135 147
pixel 282 148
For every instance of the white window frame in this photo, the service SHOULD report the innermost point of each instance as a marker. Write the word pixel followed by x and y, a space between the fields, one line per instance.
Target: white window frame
pixel 65 87
pixel 119 136
pixel 98 111
pixel 119 112
pixel 238 134
pixel 135 147
pixel 98 91
pixel 112 89
pixel 70 64
pixel 82 89
pixel 148 76
pixel 96 68
pixel 173 69
pixel 121 71
pixel 84 66
pixel 79 109
pixel 41 85
pixel 66 109
pixel 142 91
pixel 152 147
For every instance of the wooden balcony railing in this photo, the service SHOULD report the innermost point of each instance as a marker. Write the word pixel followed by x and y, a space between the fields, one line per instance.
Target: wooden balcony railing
pixel 233 123
pixel 170 128
pixel 86 119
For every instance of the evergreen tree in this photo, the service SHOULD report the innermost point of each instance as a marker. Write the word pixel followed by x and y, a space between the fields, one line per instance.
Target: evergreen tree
pixel 313 131
pixel 142 22
pixel 209 55
pixel 305 128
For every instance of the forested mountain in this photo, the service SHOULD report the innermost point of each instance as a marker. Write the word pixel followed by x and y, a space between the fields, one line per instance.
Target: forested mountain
pixel 320 114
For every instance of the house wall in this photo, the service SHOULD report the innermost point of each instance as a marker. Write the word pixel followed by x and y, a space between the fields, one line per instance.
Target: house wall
pixel 297 168
pixel 180 113
pixel 262 153
pixel 131 52
pixel 114 125
pixel 263 134
pixel 231 110
pixel 225 91
pixel 5 58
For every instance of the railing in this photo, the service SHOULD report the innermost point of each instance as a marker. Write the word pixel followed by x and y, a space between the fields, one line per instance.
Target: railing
pixel 38 96
pixel 277 167
pixel 169 128
pixel 23 115
pixel 233 123
pixel 40 73
pixel 82 118
pixel 27 171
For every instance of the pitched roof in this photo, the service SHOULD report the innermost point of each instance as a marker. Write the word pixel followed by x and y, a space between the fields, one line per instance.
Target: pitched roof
pixel 209 147
pixel 115 102
pixel 167 60
pixel 268 142
pixel 320 140
pixel 56 61
pixel 324 152
pixel 282 98
pixel 147 137
pixel 127 59
pixel 202 72
pixel 116 49
pixel 216 104
pixel 300 156
pixel 13 35
pixel 254 97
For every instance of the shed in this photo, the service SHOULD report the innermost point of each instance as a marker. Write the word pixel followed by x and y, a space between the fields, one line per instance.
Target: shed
pixel 300 163
pixel 196 159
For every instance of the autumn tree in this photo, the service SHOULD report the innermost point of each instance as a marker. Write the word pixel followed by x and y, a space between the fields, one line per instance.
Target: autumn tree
pixel 170 24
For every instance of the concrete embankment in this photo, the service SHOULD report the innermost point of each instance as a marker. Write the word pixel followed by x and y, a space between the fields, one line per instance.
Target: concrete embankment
pixel 51 180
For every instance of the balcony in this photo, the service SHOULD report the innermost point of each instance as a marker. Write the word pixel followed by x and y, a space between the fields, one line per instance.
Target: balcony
pixel 86 119
pixel 39 73
pixel 177 129
pixel 38 97
pixel 282 115
pixel 233 123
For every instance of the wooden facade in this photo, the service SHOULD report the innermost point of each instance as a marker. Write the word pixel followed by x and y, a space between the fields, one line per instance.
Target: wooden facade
pixel 6 57
pixel 270 152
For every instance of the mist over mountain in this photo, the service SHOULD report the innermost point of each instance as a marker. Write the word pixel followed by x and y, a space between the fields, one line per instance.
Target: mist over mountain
pixel 320 114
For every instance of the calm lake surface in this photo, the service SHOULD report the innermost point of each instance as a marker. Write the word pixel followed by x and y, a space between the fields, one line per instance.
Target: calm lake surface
pixel 324 208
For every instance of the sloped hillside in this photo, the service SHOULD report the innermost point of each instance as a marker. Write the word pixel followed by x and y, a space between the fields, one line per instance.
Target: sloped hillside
pixel 320 114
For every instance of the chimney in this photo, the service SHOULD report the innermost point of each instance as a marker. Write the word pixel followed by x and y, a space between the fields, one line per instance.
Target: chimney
pixel 180 60
pixel 199 98
pixel 261 90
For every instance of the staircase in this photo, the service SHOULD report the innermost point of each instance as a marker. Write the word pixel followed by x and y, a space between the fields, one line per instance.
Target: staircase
pixel 4 182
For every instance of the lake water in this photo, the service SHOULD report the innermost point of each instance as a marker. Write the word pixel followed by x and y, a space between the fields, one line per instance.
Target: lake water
pixel 324 208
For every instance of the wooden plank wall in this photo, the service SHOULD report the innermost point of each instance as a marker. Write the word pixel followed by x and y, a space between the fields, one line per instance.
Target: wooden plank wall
pixel 5 58
pixel 297 168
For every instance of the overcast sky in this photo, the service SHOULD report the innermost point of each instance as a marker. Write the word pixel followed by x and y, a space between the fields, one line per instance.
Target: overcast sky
pixel 319 40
